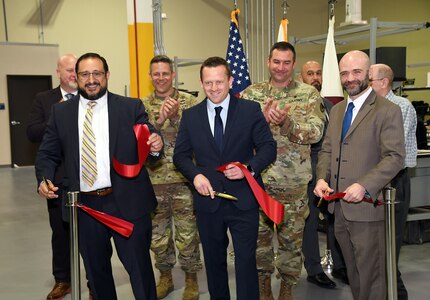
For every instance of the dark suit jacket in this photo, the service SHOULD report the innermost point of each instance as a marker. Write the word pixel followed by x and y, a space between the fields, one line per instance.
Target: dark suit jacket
pixel 246 132
pixel 134 196
pixel 39 116
pixel 371 154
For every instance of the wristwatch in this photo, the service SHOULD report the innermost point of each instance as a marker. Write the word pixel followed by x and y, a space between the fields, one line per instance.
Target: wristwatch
pixel 250 170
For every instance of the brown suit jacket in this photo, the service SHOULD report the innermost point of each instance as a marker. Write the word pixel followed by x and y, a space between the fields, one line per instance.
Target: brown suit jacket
pixel 371 154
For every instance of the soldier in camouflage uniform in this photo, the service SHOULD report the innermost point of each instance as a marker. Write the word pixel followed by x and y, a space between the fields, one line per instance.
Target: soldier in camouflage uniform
pixel 293 111
pixel 164 107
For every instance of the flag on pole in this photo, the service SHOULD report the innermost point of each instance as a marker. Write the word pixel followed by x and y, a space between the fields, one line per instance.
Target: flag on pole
pixel 283 31
pixel 236 56
pixel 331 85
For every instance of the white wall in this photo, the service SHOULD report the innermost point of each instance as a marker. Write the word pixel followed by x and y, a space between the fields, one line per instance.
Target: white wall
pixel 21 59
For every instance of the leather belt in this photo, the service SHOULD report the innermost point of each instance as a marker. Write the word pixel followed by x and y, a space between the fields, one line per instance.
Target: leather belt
pixel 99 192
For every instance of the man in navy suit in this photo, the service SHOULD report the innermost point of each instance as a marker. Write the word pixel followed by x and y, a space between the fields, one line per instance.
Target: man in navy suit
pixel 246 138
pixel 132 199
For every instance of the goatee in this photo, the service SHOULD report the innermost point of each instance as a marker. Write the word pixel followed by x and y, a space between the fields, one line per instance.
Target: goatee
pixel 92 96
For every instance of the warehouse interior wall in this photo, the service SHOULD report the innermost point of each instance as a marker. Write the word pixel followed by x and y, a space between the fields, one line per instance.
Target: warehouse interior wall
pixel 198 29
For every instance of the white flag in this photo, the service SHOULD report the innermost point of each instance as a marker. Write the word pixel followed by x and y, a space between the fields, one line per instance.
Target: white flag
pixel 283 32
pixel 331 85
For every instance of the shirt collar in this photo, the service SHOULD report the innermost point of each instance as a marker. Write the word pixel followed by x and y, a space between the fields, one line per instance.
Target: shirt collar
pixel 224 104
pixel 102 101
pixel 358 102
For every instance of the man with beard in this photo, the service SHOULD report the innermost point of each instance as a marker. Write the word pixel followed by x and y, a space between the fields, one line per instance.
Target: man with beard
pixel 87 131
pixel 362 151
pixel 39 116
pixel 311 74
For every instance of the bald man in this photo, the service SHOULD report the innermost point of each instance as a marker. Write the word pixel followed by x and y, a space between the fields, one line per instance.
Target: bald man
pixel 311 73
pixel 362 152
pixel 381 78
pixel 39 116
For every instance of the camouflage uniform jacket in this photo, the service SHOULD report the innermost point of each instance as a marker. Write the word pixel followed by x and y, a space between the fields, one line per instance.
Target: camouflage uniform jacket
pixel 306 126
pixel 163 171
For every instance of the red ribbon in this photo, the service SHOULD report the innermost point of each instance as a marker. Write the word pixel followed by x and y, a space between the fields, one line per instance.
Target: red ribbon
pixel 141 131
pixel 272 208
pixel 121 226
pixel 341 195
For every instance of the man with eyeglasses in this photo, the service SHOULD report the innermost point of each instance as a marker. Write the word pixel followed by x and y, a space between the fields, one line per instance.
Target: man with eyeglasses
pixel 362 152
pixel 381 78
pixel 175 200
pixel 88 131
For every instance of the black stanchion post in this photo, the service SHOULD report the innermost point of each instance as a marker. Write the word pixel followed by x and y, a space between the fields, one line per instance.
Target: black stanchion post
pixel 74 246
pixel 390 242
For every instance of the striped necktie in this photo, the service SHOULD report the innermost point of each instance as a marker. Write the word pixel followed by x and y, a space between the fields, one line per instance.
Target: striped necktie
pixel 88 151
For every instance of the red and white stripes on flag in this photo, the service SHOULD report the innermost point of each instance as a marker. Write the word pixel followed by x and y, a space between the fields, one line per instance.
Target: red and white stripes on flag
pixel 331 85
pixel 283 31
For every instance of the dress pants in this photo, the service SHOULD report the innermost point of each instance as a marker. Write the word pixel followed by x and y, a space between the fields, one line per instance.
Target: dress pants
pixel 96 250
pixel 402 184
pixel 60 240
pixel 243 227
pixel 363 248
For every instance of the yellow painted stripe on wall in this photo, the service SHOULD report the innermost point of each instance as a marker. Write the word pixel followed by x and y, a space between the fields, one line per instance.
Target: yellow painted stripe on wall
pixel 141 51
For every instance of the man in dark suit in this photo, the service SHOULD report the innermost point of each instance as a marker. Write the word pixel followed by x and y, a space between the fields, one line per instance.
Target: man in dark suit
pixel 219 130
pixel 39 116
pixel 311 74
pixel 363 150
pixel 101 188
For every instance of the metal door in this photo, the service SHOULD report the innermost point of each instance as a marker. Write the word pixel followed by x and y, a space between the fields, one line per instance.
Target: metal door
pixel 21 91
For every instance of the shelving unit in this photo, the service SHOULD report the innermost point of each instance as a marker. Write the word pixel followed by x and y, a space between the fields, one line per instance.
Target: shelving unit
pixel 361 32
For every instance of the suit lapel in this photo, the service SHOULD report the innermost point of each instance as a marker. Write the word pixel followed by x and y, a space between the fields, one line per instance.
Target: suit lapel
pixel 204 123
pixel 365 109
pixel 232 108
pixel 73 119
pixel 113 109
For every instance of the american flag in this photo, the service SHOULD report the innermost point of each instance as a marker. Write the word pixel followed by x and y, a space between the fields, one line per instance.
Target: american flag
pixel 236 58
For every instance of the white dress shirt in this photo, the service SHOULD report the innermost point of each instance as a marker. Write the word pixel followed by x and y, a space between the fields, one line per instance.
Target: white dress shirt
pixel 100 126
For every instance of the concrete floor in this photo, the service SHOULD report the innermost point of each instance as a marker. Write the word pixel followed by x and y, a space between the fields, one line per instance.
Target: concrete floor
pixel 25 253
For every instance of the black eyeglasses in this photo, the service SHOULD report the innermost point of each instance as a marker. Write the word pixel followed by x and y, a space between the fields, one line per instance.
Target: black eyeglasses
pixel 86 75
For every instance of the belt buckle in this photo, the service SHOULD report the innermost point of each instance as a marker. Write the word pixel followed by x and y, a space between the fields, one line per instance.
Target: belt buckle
pixel 100 192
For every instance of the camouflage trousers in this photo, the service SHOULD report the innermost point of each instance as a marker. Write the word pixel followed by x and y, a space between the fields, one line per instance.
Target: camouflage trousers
pixel 175 208
pixel 288 259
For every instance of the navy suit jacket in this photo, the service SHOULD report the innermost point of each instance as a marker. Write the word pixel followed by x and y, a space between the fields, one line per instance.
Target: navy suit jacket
pixel 247 139
pixel 134 196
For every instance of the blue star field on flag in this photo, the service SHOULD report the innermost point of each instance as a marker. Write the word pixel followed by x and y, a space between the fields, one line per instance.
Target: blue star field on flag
pixel 237 61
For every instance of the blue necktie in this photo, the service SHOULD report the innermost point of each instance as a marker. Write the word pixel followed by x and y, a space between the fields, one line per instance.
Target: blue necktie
pixel 347 120
pixel 218 127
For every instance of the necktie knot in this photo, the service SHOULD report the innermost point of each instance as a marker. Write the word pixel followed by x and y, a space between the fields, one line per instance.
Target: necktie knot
pixel 91 104
pixel 68 96
pixel 218 110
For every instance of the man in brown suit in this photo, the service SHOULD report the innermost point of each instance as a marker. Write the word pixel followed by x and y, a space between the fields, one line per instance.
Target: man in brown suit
pixel 360 162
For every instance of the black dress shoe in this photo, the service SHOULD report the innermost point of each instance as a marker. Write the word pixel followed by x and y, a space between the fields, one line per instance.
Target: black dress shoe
pixel 322 280
pixel 340 274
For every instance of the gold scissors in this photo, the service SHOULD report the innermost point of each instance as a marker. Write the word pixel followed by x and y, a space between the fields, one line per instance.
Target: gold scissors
pixel 224 195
